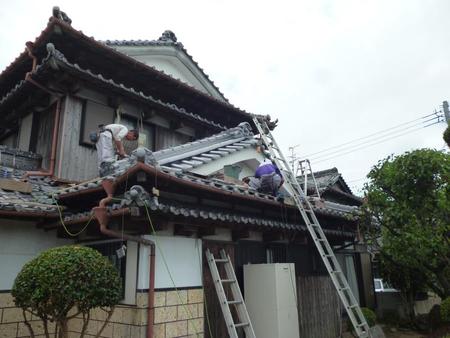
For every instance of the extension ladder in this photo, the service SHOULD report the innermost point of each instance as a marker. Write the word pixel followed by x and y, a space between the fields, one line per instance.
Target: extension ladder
pixel 326 252
pixel 237 301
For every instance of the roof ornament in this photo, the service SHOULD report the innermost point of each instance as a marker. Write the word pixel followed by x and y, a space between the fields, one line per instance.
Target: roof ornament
pixel 168 36
pixel 59 14
pixel 245 129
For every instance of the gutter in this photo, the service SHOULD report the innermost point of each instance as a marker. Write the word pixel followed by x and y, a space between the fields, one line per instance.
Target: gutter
pixel 102 217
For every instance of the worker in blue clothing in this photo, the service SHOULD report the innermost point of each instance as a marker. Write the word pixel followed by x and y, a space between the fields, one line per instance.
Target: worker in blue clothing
pixel 270 178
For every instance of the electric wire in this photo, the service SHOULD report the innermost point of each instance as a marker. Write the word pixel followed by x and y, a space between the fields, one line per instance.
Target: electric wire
pixel 399 132
pixel 369 145
pixel 373 134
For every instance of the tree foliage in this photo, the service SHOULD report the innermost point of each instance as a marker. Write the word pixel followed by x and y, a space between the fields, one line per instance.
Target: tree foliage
pixel 446 136
pixel 409 197
pixel 445 310
pixel 63 279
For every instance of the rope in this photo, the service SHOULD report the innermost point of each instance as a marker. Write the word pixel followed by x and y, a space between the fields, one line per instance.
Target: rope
pixel 165 263
pixel 64 225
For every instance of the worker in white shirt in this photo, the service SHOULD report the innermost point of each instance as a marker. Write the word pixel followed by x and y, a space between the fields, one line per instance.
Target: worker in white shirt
pixel 110 135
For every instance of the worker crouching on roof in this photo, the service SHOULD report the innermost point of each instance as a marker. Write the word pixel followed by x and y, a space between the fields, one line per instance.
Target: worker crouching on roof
pixel 270 179
pixel 109 137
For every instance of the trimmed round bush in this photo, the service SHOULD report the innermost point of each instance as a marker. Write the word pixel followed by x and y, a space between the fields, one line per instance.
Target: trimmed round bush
pixel 445 310
pixel 60 278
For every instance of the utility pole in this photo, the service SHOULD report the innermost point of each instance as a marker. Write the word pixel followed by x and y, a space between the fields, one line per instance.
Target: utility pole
pixel 293 157
pixel 446 112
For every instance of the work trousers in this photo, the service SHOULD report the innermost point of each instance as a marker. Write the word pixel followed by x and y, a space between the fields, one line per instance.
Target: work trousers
pixel 105 153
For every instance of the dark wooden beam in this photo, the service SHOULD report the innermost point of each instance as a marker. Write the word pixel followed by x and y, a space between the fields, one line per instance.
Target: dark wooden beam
pixel 240 234
pixel 273 236
pixel 206 231
pixel 185 230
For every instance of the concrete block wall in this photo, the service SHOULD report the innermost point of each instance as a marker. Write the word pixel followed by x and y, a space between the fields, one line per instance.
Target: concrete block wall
pixel 11 320
pixel 177 314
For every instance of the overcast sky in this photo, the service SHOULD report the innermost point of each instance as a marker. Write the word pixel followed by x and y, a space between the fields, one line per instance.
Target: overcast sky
pixel 330 71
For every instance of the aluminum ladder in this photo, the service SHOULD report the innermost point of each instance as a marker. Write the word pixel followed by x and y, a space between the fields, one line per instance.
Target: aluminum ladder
pixel 312 223
pixel 237 301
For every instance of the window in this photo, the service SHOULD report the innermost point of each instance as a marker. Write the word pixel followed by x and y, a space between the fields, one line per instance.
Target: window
pixel 93 115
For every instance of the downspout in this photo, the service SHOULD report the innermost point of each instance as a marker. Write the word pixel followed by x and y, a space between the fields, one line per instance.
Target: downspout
pixel 28 78
pixel 102 217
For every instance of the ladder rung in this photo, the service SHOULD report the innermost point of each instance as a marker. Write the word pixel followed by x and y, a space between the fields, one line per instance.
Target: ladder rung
pixel 240 324
pixel 221 260
pixel 228 280
pixel 230 302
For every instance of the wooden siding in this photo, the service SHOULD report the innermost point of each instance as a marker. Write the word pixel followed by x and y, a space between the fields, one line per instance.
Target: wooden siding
pixel 78 162
pixel 318 307
pixel 166 138
pixel 25 132
pixel 44 135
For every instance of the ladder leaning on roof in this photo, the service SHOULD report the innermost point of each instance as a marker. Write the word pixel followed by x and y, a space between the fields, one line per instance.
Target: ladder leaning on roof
pixel 225 303
pixel 312 223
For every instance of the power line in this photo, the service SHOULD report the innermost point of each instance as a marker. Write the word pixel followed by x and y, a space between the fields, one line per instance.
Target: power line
pixel 370 135
pixel 328 153
pixel 372 144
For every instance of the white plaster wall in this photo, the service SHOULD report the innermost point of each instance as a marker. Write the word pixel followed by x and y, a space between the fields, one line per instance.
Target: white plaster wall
pixel 174 62
pixel 172 66
pixel 248 159
pixel 21 242
pixel 184 261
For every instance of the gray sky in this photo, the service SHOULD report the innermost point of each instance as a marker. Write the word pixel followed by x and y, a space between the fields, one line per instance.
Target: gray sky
pixel 330 71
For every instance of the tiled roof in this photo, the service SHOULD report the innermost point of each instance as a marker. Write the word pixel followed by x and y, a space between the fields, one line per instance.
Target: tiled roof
pixel 39 200
pixel 123 166
pixel 324 178
pixel 168 38
pixel 55 55
pixel 208 213
pixel 20 64
pixel 190 155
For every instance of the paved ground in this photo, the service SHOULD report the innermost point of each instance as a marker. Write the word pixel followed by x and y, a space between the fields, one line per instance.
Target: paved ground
pixel 404 334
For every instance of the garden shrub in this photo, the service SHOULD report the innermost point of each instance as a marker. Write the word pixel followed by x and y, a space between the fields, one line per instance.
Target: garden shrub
pixel 370 316
pixel 66 278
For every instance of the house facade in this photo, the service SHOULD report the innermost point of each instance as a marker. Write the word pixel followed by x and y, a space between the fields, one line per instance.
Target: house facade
pixel 178 194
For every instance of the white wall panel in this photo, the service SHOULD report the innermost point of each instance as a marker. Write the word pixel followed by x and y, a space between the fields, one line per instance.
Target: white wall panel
pixel 183 258
pixel 21 242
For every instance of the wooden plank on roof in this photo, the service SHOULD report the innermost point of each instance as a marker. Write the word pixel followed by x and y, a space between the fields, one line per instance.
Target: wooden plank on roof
pixel 12 185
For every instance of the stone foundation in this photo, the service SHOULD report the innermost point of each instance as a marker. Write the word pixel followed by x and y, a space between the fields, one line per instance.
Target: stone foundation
pixel 177 314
